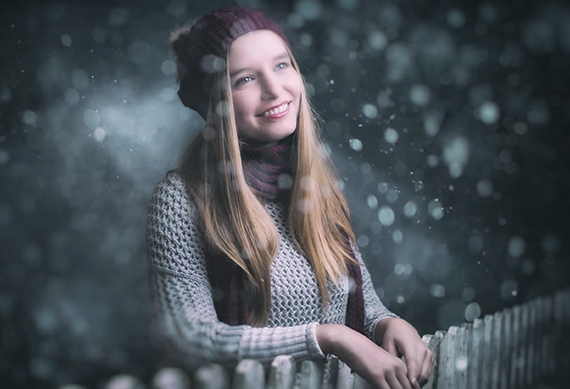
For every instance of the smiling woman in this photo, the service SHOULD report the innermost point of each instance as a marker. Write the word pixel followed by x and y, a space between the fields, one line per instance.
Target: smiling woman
pixel 266 88
pixel 252 254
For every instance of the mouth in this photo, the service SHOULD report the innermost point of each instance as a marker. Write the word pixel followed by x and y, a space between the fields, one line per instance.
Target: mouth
pixel 277 111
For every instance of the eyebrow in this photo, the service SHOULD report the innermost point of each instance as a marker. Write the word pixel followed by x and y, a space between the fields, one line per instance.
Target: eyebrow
pixel 238 71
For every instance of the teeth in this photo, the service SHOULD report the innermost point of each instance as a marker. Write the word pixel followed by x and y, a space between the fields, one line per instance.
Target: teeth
pixel 274 111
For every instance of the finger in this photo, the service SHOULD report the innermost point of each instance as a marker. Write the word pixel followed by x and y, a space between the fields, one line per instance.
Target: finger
pixel 426 368
pixel 383 385
pixel 414 367
pixel 403 379
pixel 395 382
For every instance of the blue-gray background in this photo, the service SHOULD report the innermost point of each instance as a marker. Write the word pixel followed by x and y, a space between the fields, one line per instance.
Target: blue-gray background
pixel 448 122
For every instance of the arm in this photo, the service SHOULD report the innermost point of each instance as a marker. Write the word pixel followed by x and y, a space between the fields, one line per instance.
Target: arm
pixel 395 335
pixel 374 310
pixel 183 297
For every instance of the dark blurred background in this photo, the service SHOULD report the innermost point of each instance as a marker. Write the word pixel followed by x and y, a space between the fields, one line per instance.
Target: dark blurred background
pixel 448 122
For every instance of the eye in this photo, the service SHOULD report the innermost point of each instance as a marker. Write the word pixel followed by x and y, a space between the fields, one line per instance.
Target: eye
pixel 244 80
pixel 282 65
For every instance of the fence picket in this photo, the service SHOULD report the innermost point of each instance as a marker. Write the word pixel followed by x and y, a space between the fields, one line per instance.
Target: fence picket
pixel 549 339
pixel 495 349
pixel 330 376
pixel 446 371
pixel 170 378
pixel 282 373
pixel 538 336
pixel 506 348
pixel 461 361
pixel 515 351
pixel 519 347
pixel 249 374
pixel 345 379
pixel 564 327
pixel 524 330
pixel 477 335
pixel 486 370
pixel 311 375
pixel 468 347
pixel 211 376
pixel 529 358
pixel 124 381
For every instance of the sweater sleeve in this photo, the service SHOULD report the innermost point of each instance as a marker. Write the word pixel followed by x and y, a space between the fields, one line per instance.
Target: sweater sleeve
pixel 374 310
pixel 182 295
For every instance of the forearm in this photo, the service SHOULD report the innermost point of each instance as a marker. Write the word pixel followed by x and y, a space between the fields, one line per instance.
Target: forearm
pixel 187 319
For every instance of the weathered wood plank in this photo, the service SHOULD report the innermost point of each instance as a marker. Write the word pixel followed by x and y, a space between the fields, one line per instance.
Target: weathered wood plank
pixel 523 337
pixel 564 339
pixel 495 350
pixel 506 348
pixel 537 340
pixel 486 370
pixel 345 378
pixel 124 381
pixel 171 378
pixel 249 374
pixel 476 363
pixel 515 351
pixel 330 377
pixel 529 359
pixel 211 376
pixel 461 358
pixel 311 375
pixel 446 370
pixel 282 373
pixel 468 339
pixel 549 339
pixel 433 343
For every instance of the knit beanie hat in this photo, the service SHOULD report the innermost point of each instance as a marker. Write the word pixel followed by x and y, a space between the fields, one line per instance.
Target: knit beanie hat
pixel 202 50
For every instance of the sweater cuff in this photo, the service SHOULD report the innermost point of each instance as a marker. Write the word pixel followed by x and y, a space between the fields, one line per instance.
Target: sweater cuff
pixel 373 327
pixel 314 348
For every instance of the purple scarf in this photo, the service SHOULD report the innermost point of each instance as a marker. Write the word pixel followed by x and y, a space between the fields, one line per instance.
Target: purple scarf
pixel 263 167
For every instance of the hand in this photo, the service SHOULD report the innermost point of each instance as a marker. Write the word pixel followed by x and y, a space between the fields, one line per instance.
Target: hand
pixel 399 338
pixel 371 362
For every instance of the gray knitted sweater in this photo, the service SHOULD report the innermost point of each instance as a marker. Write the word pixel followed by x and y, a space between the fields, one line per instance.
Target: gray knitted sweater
pixel 183 301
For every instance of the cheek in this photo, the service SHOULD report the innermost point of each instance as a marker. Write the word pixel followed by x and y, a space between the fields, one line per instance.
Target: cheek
pixel 298 85
pixel 242 105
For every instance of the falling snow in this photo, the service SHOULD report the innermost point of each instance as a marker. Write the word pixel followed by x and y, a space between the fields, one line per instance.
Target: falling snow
pixel 448 126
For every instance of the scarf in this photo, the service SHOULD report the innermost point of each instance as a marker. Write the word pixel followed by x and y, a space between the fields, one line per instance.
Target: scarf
pixel 268 172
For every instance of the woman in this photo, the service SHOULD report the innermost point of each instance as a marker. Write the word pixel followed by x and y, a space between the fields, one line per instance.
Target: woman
pixel 250 244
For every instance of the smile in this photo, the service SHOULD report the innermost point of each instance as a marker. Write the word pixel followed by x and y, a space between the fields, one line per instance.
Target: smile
pixel 277 111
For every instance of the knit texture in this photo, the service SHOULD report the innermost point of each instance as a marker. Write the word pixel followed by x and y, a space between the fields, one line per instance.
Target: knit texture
pixel 183 300
pixel 263 168
pixel 199 49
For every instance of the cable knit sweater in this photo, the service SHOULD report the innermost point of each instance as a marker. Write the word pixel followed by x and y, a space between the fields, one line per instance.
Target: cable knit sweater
pixel 183 300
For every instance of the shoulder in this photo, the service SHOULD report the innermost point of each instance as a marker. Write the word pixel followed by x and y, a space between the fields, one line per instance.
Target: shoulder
pixel 170 197
pixel 170 189
pixel 174 237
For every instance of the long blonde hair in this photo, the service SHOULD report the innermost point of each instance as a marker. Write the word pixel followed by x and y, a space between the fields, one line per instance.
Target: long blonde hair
pixel 235 221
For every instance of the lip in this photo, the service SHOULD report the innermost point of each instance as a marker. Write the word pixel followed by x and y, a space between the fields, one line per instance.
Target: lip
pixel 278 114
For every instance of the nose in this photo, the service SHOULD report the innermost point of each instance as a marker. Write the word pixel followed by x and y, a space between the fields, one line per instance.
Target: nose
pixel 270 87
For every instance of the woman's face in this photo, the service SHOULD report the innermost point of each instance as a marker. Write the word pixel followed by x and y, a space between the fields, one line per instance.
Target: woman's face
pixel 266 89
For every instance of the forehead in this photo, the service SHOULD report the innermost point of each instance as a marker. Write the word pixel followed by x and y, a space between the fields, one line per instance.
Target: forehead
pixel 255 46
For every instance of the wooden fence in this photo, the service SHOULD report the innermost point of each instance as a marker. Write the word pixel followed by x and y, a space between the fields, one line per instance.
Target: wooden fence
pixel 520 347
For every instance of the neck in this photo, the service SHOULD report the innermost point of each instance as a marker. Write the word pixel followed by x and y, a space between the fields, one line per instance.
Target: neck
pixel 264 165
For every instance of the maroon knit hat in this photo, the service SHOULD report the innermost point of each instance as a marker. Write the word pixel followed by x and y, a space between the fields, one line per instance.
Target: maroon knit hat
pixel 199 48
